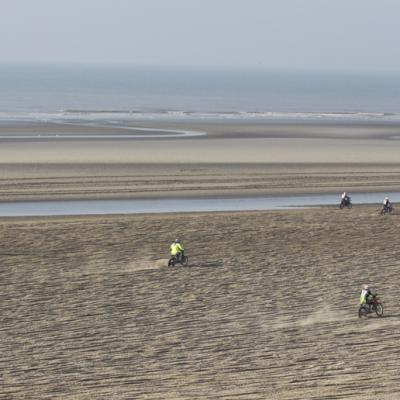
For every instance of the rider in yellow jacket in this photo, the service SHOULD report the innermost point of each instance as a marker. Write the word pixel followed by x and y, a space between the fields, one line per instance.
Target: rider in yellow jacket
pixel 366 296
pixel 177 249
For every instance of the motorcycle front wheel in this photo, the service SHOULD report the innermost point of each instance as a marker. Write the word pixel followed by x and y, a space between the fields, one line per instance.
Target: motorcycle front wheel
pixel 185 260
pixel 379 309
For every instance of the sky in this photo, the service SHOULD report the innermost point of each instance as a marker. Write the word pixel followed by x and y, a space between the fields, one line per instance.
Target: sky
pixel 348 35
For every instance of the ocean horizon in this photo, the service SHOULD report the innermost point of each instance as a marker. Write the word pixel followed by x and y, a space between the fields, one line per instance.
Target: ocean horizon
pixel 47 92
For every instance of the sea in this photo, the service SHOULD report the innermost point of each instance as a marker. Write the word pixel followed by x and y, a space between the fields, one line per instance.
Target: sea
pixel 41 92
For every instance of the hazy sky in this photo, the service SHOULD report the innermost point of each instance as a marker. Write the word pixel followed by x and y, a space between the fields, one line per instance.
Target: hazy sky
pixel 307 34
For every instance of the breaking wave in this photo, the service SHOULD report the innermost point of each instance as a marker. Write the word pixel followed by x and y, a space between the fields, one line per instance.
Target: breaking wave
pixel 116 116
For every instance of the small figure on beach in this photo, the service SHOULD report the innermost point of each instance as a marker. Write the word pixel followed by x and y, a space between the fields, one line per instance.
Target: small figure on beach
pixel 366 296
pixel 369 302
pixel 346 201
pixel 177 254
pixel 386 202
pixel 387 206
pixel 177 250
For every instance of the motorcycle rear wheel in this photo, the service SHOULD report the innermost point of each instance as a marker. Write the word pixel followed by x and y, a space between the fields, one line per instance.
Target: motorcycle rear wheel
pixel 171 262
pixel 362 312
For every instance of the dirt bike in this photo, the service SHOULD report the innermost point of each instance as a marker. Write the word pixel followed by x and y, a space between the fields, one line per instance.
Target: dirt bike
pixel 387 209
pixel 183 260
pixel 345 203
pixel 375 306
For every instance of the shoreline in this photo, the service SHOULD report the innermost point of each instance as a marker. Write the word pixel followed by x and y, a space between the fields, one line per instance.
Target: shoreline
pixel 238 142
pixel 234 159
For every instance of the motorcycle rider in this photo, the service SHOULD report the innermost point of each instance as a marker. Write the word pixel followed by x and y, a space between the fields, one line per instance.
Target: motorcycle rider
pixel 177 250
pixel 345 198
pixel 366 296
pixel 386 203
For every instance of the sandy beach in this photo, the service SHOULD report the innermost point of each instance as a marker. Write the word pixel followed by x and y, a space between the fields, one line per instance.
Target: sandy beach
pixel 237 127
pixel 232 158
pixel 222 142
pixel 266 309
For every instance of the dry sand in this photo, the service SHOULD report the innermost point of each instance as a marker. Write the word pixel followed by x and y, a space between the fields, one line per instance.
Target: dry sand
pixel 267 308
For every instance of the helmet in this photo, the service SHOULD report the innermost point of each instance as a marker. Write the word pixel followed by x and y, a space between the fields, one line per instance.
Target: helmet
pixel 177 241
pixel 365 287
pixel 386 198
pixel 344 193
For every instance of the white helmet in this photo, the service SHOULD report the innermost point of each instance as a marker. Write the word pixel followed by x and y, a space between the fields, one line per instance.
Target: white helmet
pixel 365 287
pixel 386 198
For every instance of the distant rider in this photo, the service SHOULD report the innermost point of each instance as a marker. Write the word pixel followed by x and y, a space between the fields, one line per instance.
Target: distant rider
pixel 386 203
pixel 345 199
pixel 366 296
pixel 177 250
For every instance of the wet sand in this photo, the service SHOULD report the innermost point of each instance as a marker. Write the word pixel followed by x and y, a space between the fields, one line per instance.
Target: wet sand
pixel 229 143
pixel 266 309
pixel 42 181
pixel 233 158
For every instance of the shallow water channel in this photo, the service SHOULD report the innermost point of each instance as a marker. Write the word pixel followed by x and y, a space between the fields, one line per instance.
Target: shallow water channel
pixel 140 206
